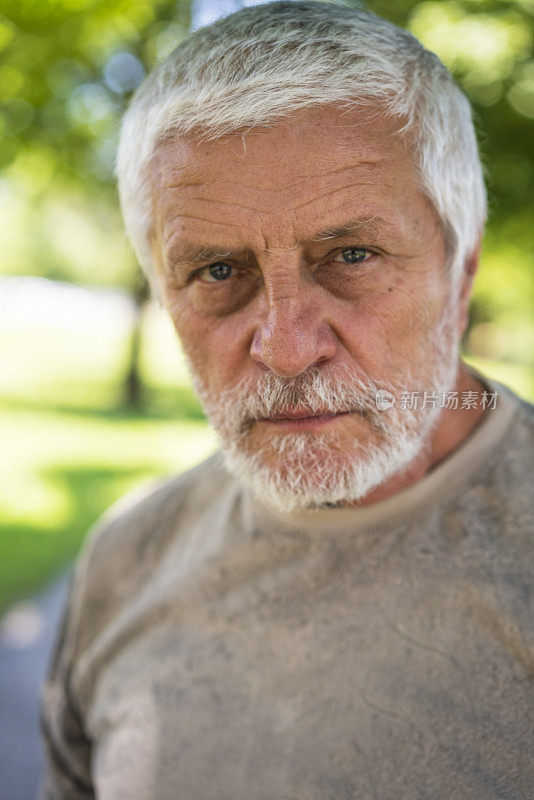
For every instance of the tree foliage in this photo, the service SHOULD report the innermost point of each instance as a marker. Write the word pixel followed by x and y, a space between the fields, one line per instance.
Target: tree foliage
pixel 67 68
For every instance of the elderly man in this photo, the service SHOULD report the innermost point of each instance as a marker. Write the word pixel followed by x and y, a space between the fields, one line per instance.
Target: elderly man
pixel 337 606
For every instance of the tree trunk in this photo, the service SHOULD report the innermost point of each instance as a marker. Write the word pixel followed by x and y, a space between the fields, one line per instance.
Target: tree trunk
pixel 133 386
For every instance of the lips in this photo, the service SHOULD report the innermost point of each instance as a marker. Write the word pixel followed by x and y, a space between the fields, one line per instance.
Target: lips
pixel 294 415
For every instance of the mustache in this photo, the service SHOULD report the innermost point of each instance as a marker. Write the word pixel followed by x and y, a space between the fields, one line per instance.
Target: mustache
pixel 314 392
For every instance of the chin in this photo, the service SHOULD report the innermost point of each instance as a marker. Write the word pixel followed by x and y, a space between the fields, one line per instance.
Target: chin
pixel 297 471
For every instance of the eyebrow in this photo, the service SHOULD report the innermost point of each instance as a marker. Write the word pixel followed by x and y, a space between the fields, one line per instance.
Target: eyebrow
pixel 369 225
pixel 189 254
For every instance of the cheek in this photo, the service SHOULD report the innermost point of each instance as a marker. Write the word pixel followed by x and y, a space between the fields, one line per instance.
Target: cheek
pixel 223 298
pixel 387 330
pixel 413 309
pixel 193 332
pixel 215 347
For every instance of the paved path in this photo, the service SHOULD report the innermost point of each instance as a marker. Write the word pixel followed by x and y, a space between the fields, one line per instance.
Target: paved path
pixel 27 634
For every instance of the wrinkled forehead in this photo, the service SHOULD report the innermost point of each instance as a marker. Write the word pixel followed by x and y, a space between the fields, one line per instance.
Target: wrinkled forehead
pixel 286 184
pixel 286 153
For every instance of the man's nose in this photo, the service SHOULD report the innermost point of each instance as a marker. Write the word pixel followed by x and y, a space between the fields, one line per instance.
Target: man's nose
pixel 294 333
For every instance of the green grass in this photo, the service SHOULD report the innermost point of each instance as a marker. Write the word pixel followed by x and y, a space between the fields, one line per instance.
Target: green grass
pixel 68 448
pixel 64 469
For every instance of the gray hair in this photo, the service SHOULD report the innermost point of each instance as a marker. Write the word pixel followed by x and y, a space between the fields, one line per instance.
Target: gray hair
pixel 262 63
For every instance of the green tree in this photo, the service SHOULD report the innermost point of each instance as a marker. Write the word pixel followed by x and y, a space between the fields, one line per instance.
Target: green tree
pixel 67 69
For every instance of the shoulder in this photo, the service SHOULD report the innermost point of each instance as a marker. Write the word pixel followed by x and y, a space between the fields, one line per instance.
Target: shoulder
pixel 123 554
pixel 513 467
pixel 515 455
pixel 488 481
pixel 149 515
pixel 504 438
pixel 497 501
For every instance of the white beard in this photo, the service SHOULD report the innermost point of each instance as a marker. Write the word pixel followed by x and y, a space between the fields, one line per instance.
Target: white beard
pixel 310 469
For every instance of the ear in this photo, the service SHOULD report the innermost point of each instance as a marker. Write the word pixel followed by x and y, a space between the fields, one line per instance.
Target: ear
pixel 466 286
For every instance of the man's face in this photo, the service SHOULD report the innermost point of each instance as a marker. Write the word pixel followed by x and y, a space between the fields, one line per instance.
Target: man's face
pixel 303 269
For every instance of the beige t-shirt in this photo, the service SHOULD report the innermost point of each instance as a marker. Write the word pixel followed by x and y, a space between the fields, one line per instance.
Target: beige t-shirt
pixel 217 650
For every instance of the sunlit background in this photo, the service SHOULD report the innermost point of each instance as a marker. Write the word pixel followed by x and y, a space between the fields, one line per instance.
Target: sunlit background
pixel 94 397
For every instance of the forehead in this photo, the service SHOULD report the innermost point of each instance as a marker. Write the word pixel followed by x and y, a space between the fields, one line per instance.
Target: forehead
pixel 306 169
pixel 303 141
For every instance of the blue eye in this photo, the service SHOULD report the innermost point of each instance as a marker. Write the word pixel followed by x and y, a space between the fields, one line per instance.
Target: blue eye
pixel 219 271
pixel 354 255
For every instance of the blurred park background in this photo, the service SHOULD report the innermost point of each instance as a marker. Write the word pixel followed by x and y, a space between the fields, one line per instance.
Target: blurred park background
pixel 94 396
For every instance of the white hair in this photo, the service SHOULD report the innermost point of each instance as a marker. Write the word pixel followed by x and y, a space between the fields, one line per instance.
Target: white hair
pixel 261 64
